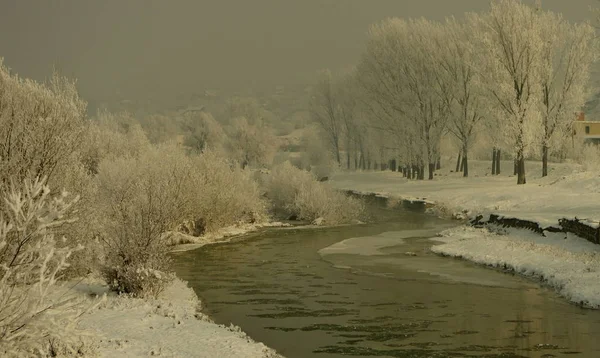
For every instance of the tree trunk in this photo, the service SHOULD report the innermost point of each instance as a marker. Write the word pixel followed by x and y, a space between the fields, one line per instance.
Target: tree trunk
pixel 369 164
pixel 494 161
pixel 544 160
pixel 516 167
pixel 466 163
pixel 355 161
pixel 348 159
pixel 458 162
pixel 422 171
pixel 431 170
pixel 521 169
pixel 438 164
pixel 414 172
pixel 393 165
pixel 375 166
pixel 462 164
pixel 497 161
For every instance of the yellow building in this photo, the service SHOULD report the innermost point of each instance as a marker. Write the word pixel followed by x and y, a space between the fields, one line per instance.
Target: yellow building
pixel 588 130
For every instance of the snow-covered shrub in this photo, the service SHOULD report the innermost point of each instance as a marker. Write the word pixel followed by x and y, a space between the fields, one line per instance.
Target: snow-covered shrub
pixel 41 125
pixel 296 192
pixel 316 157
pixel 224 194
pixel 589 157
pixel 110 136
pixel 251 144
pixel 139 200
pixel 142 199
pixel 36 318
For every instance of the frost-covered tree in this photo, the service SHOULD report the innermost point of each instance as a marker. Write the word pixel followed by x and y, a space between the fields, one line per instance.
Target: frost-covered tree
pixel 348 112
pixel 511 36
pixel 204 132
pixel 400 72
pixel 324 108
pixel 37 319
pixel 465 98
pixel 567 52
pixel 251 145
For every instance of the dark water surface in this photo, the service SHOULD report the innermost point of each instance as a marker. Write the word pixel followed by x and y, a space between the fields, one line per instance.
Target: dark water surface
pixel 306 293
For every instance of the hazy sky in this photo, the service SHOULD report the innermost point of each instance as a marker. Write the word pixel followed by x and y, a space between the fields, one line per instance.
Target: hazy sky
pixel 139 48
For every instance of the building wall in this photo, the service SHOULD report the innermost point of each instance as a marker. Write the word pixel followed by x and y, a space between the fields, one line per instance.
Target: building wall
pixel 588 129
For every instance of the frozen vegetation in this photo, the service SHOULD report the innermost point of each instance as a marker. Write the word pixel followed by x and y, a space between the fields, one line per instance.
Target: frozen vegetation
pixel 97 197
pixel 90 207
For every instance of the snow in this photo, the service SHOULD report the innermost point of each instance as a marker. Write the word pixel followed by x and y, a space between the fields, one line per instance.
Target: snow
pixel 169 326
pixel 568 263
pixel 568 191
pixel 563 261
pixel 183 242
pixel 372 245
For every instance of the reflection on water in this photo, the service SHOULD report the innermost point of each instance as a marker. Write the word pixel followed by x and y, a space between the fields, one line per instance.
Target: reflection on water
pixel 307 293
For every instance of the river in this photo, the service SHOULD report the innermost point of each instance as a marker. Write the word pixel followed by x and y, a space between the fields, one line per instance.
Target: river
pixel 376 290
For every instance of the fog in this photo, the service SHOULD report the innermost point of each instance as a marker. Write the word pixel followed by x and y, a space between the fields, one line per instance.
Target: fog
pixel 164 50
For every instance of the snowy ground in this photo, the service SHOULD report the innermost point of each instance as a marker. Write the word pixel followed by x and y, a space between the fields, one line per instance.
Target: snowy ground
pixel 568 191
pixel 566 262
pixel 169 326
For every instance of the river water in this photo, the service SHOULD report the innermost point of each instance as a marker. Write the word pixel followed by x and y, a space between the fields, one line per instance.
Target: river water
pixel 376 290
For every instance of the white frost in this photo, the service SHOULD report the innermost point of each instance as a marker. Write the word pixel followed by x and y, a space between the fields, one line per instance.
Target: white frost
pixel 169 326
pixel 565 262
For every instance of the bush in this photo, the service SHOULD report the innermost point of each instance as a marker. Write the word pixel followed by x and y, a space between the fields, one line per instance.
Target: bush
pixel 224 194
pixel 316 158
pixel 142 199
pixel 41 125
pixel 139 200
pixel 35 320
pixel 589 157
pixel 296 193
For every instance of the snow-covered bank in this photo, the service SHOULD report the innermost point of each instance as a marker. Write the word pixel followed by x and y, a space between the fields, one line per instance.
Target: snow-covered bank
pixel 563 261
pixel 568 191
pixel 183 242
pixel 568 263
pixel 170 326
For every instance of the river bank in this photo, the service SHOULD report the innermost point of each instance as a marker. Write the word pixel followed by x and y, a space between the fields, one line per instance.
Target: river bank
pixel 568 263
pixel 169 326
pixel 172 325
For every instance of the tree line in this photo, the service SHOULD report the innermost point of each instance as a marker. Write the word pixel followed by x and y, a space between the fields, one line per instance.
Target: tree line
pixel 516 73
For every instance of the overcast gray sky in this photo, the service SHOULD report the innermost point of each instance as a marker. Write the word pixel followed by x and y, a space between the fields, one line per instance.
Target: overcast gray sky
pixel 141 48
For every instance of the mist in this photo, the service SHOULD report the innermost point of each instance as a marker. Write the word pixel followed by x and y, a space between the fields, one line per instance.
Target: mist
pixel 162 51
